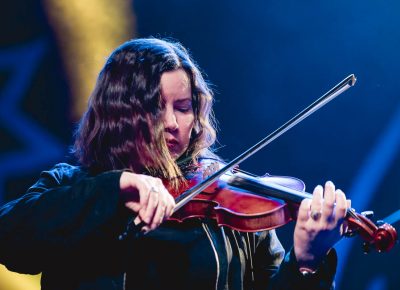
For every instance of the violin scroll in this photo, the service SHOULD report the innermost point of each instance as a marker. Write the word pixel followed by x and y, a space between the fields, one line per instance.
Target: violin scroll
pixel 385 237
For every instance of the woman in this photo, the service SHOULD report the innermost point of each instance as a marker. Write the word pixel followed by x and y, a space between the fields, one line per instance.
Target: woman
pixel 150 117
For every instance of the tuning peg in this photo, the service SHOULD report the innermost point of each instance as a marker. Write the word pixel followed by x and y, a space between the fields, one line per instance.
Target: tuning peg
pixel 380 223
pixel 368 214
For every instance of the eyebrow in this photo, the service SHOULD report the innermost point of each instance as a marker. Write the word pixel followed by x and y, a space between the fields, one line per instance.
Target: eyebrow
pixel 183 100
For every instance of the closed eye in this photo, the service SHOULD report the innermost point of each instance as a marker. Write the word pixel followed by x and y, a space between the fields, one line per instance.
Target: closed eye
pixel 184 109
pixel 183 106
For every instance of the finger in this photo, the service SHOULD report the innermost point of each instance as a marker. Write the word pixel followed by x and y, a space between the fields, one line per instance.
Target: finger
pixel 140 223
pixel 145 229
pixel 304 210
pixel 317 199
pixel 159 214
pixel 144 189
pixel 329 201
pixel 133 206
pixel 169 200
pixel 151 206
pixel 341 206
pixel 137 220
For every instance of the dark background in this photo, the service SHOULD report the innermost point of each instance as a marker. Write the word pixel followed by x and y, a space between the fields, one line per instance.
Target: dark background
pixel 267 60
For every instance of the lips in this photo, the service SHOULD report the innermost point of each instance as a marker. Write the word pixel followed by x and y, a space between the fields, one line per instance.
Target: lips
pixel 171 142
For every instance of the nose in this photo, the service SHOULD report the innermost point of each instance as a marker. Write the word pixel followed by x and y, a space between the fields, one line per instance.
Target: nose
pixel 170 122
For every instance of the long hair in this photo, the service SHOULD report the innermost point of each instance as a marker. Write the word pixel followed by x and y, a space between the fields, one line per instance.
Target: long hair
pixel 123 128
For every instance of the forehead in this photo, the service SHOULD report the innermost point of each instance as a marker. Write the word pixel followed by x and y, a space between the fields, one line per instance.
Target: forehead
pixel 175 84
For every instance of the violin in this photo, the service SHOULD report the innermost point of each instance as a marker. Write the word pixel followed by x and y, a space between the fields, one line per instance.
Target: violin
pixel 250 203
pixel 245 202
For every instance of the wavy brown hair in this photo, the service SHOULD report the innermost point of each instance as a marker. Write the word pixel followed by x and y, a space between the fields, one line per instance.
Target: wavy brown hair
pixel 123 128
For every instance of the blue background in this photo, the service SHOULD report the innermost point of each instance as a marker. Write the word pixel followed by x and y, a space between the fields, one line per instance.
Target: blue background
pixel 267 60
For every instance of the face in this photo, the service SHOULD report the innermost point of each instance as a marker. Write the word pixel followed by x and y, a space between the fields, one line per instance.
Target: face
pixel 178 117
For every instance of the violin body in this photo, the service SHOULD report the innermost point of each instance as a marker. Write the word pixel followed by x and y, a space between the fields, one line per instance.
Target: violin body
pixel 236 207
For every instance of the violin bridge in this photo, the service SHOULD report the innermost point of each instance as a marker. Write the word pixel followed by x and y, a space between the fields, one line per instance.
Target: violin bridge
pixel 210 169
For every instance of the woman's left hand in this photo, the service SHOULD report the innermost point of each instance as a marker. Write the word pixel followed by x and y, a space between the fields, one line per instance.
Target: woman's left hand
pixel 318 225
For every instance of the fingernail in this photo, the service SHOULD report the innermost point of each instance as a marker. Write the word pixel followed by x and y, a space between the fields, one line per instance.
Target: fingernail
pixel 329 183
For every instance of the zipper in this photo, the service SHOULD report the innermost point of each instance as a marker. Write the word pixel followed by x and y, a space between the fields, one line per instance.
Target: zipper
pixel 205 227
pixel 124 282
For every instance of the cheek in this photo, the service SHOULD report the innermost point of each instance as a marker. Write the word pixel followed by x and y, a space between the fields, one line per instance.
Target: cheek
pixel 187 126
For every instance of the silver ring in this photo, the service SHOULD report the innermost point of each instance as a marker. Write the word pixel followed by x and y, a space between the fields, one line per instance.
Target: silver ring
pixel 316 214
pixel 153 189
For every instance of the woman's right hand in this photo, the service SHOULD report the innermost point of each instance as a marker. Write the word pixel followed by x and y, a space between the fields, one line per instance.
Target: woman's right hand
pixel 147 197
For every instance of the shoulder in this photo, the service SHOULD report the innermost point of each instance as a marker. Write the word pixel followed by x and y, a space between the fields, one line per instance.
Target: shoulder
pixel 60 174
pixel 67 171
pixel 64 172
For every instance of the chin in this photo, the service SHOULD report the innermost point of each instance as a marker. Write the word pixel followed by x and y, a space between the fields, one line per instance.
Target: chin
pixel 176 155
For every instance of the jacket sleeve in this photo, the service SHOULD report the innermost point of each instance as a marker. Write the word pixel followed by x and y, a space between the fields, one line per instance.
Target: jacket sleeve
pixel 275 271
pixel 65 212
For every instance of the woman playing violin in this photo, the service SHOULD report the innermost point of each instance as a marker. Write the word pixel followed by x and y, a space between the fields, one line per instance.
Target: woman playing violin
pixel 150 119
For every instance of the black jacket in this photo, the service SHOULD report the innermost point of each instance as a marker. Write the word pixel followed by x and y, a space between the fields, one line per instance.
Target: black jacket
pixel 71 226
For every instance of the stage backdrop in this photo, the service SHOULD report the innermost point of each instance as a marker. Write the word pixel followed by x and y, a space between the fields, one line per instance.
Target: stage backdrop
pixel 266 60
